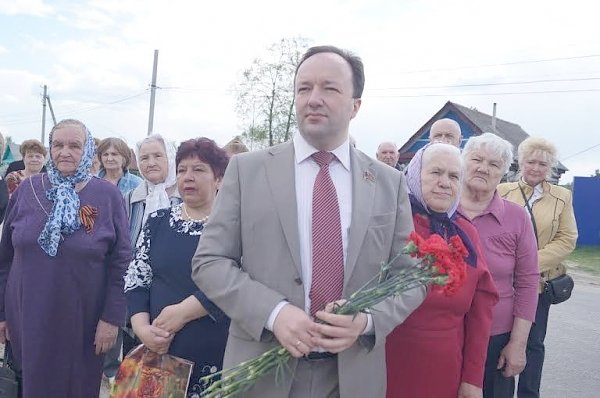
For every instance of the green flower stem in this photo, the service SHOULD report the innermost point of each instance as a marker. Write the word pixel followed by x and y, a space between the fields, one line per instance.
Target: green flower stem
pixel 242 377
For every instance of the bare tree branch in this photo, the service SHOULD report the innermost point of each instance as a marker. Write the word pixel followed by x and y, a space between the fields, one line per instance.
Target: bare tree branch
pixel 265 101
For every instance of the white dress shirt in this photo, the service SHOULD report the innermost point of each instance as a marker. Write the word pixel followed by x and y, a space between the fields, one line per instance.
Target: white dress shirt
pixel 305 171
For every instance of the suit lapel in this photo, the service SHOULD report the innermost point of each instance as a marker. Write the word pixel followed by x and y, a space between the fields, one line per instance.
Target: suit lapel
pixel 279 166
pixel 363 193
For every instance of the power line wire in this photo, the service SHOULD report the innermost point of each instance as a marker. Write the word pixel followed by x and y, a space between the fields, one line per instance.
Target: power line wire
pixel 580 152
pixel 523 82
pixel 94 107
pixel 535 61
pixel 73 111
pixel 490 84
pixel 480 94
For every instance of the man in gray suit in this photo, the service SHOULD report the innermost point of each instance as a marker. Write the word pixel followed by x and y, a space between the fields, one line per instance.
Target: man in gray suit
pixel 300 225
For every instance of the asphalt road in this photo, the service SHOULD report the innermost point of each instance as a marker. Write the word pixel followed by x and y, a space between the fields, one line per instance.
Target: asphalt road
pixel 572 365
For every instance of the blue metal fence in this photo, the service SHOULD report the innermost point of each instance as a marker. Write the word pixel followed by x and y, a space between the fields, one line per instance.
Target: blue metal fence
pixel 586 204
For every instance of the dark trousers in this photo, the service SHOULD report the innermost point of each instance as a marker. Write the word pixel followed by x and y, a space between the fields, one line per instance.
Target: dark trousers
pixel 130 340
pixel 495 385
pixel 531 377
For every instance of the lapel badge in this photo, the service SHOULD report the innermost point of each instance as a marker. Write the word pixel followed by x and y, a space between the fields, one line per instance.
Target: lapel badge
pixel 368 176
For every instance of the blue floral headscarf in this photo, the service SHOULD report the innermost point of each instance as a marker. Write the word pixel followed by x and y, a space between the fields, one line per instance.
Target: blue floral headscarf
pixel 64 217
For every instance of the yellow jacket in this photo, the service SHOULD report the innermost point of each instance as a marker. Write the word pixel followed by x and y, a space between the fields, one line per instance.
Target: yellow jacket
pixel 554 220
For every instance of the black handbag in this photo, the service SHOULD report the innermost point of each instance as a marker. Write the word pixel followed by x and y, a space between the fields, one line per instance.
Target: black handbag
pixel 560 288
pixel 9 386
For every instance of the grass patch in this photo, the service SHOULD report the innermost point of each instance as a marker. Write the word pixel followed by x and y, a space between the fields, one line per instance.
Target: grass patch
pixel 586 258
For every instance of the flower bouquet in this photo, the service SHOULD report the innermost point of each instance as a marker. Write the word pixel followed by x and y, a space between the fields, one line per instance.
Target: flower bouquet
pixel 442 265
pixel 146 374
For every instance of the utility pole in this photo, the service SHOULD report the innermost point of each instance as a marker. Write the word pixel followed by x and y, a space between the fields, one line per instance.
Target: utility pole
pixel 494 119
pixel 51 110
pixel 152 94
pixel 44 114
pixel 46 98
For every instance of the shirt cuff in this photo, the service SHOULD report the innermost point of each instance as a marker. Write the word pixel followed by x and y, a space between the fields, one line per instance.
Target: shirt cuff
pixel 274 313
pixel 369 327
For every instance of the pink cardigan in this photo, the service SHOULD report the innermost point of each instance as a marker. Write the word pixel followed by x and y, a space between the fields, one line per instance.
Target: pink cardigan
pixel 510 249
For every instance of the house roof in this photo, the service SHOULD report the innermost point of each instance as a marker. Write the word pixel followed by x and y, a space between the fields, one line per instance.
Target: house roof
pixel 11 153
pixel 479 122
pixel 236 144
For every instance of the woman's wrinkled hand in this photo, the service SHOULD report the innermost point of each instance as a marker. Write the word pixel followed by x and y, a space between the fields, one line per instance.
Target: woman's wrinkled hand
pixel 106 336
pixel 172 318
pixel 512 359
pixel 155 338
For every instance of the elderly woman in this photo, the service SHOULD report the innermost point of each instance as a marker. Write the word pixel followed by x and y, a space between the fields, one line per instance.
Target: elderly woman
pixel 34 157
pixel 64 250
pixel 115 157
pixel 551 210
pixel 439 351
pixel 168 312
pixel 510 249
pixel 156 161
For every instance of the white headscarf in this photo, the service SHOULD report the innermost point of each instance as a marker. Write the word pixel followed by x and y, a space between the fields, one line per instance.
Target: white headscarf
pixel 158 198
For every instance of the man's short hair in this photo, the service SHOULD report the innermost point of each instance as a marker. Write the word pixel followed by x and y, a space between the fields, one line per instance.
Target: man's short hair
pixel 356 65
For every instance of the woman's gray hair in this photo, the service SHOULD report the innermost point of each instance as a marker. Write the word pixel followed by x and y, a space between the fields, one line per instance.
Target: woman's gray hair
pixel 70 122
pixel 151 138
pixel 170 150
pixel 441 147
pixel 492 144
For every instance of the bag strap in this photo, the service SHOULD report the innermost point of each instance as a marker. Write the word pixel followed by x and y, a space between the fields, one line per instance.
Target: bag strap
pixel 531 214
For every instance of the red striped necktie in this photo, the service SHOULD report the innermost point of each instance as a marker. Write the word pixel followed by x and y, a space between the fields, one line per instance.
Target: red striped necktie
pixel 327 248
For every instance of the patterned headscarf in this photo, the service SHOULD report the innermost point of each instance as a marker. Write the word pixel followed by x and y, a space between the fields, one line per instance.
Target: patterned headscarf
pixel 413 179
pixel 158 198
pixel 441 223
pixel 64 216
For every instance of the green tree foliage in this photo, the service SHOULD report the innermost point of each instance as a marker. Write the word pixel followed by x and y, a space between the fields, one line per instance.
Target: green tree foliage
pixel 265 101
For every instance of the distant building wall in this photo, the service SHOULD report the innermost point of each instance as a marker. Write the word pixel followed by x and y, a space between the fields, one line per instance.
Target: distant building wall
pixel 586 203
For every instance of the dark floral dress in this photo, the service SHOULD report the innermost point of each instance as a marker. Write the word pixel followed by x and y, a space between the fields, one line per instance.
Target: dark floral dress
pixel 160 275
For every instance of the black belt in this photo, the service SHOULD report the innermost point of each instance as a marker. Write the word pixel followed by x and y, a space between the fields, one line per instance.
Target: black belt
pixel 319 356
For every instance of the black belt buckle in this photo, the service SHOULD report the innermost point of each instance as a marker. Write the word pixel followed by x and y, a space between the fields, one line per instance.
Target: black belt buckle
pixel 319 356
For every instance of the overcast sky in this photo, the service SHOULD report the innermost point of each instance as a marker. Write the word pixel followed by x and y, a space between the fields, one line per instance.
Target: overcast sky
pixel 96 58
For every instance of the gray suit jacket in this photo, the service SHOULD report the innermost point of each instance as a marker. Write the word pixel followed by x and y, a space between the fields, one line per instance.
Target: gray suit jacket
pixel 248 259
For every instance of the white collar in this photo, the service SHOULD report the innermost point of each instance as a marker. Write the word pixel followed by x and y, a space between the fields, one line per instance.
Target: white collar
pixel 538 189
pixel 304 150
